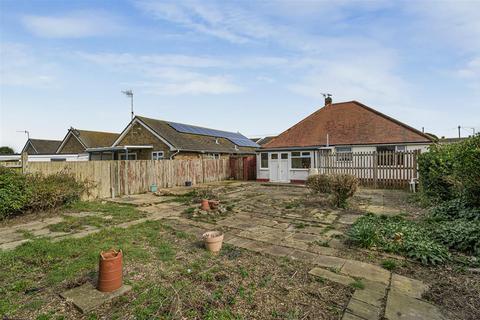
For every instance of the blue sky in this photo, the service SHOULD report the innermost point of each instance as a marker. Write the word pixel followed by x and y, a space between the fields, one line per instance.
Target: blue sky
pixel 251 66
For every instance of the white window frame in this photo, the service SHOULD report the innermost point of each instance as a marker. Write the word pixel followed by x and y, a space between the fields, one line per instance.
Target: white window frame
pixel 124 155
pixel 341 154
pixel 303 154
pixel 158 155
pixel 268 160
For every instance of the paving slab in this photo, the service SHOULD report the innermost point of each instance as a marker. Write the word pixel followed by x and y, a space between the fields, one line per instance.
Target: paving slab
pixel 87 298
pixel 349 316
pixel 365 270
pixel 332 276
pixel 403 307
pixel 373 293
pixel 363 310
pixel 12 245
pixel 329 262
pixel 408 286
pixel 278 251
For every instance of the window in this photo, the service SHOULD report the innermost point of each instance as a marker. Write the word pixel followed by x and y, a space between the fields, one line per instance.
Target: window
pixel 344 153
pixel 58 159
pixel 274 156
pixel 157 155
pixel 264 160
pixel 131 156
pixel 284 156
pixel 301 160
pixel 390 155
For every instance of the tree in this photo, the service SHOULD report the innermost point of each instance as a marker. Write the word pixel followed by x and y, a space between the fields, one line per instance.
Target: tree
pixel 6 150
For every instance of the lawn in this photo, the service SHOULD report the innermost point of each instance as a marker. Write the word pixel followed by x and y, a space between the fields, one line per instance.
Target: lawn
pixel 172 277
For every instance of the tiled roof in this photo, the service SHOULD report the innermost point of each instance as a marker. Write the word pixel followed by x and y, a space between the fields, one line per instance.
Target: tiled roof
pixel 42 146
pixel 95 139
pixel 347 123
pixel 191 142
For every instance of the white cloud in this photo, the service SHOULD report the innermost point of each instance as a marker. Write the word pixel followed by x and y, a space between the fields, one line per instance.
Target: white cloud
pixel 167 74
pixel 20 66
pixel 73 25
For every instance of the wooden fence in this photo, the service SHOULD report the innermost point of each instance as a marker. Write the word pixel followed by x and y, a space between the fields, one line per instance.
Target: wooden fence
pixel 116 178
pixel 374 169
pixel 243 168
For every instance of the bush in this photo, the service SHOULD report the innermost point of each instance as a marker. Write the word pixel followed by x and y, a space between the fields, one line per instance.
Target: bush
pixel 21 193
pixel 399 236
pixel 319 183
pixel 455 209
pixel 13 192
pixel 340 186
pixel 451 171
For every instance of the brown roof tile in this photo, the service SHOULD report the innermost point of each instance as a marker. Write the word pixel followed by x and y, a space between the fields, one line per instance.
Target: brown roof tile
pixel 347 123
pixel 43 146
pixel 95 139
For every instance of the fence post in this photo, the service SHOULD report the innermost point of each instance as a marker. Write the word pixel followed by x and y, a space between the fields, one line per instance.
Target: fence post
pixel 375 169
pixel 415 164
pixel 24 159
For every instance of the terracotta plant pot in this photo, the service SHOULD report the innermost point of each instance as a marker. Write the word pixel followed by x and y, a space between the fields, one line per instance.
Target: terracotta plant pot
pixel 110 271
pixel 205 205
pixel 213 204
pixel 213 241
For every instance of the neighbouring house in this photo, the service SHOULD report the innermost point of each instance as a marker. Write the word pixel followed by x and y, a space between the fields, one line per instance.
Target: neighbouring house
pixel 341 129
pixel 76 142
pixel 44 150
pixel 153 139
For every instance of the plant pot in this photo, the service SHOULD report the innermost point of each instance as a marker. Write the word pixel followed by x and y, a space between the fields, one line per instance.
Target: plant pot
pixel 205 205
pixel 110 271
pixel 153 188
pixel 213 204
pixel 188 183
pixel 213 241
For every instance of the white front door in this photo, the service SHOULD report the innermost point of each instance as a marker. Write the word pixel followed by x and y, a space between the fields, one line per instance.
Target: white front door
pixel 279 167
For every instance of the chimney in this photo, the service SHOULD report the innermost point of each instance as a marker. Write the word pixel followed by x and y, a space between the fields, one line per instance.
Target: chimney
pixel 328 98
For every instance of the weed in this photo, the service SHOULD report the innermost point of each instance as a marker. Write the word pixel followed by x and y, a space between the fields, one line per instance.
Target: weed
pixel 389 264
pixel 300 225
pixel 324 243
pixel 243 272
pixel 357 284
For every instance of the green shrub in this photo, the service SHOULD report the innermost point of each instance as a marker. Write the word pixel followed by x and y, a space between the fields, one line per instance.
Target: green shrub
pixel 53 191
pixel 342 187
pixel 389 264
pixel 460 234
pixel 399 236
pixel 451 171
pixel 339 186
pixel 319 183
pixel 21 193
pixel 14 194
pixel 455 209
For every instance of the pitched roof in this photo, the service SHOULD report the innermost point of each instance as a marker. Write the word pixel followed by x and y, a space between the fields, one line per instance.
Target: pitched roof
pixel 95 139
pixel 90 139
pixel 191 142
pixel 42 146
pixel 264 140
pixel 347 123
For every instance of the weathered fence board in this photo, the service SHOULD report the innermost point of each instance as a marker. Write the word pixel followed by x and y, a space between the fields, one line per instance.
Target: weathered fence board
pixel 374 169
pixel 116 178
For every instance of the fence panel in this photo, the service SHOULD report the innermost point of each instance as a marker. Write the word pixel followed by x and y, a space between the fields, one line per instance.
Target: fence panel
pixel 373 169
pixel 115 178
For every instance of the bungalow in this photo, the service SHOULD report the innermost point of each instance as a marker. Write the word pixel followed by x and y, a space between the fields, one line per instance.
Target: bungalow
pixel 153 139
pixel 76 143
pixel 44 150
pixel 341 128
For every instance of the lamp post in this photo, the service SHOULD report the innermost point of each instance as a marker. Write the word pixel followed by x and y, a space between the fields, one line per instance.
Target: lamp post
pixel 129 93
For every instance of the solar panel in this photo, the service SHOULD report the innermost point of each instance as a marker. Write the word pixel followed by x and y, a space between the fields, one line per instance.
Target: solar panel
pixel 236 138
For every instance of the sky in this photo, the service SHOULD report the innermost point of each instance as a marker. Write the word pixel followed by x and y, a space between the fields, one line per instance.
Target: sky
pixel 256 67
